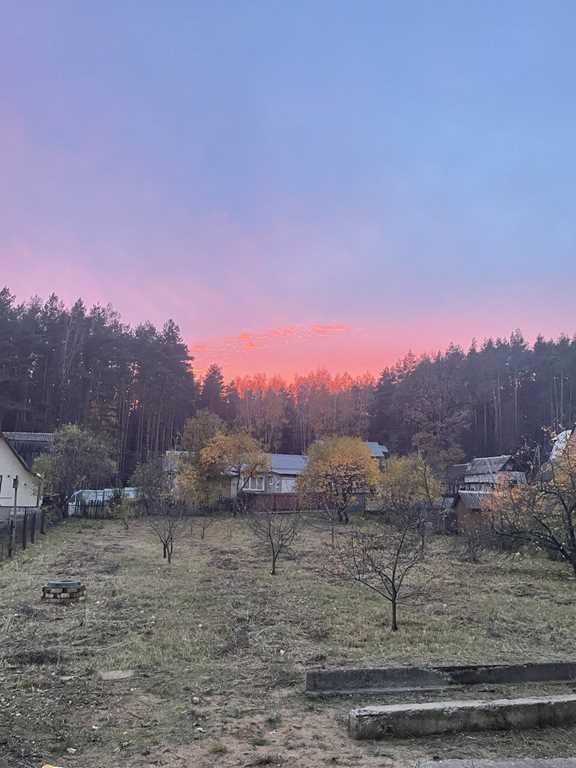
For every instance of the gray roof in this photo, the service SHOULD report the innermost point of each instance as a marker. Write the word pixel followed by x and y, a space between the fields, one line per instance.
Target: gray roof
pixel 488 465
pixel 20 458
pixel 287 463
pixel 29 437
pixel 473 499
pixel 294 463
pixel 377 450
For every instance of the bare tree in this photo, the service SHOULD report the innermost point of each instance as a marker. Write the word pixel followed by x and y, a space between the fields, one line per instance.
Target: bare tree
pixel 483 539
pixel 205 522
pixel 166 528
pixel 276 531
pixel 543 514
pixel 384 560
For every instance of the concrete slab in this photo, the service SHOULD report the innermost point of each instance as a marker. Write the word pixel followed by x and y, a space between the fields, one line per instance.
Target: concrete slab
pixel 113 675
pixel 336 682
pixel 527 762
pixel 401 720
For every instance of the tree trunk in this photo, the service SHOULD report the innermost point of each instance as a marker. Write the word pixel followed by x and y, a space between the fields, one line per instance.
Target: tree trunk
pixel 394 614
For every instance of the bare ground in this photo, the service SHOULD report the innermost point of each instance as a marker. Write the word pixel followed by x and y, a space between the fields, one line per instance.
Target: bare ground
pixel 218 648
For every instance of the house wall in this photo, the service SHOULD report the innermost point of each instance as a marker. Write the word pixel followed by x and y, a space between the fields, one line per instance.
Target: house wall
pixel 281 484
pixel 10 468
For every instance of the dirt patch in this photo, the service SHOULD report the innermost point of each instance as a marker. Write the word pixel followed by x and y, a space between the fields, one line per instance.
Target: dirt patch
pixel 24 658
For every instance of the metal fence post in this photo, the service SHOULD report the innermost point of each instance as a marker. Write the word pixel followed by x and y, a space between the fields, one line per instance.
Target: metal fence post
pixel 24 528
pixel 11 535
pixel 14 513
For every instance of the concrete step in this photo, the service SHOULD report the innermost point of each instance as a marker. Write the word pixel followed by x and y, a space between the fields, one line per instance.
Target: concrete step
pixel 400 720
pixel 527 762
pixel 333 682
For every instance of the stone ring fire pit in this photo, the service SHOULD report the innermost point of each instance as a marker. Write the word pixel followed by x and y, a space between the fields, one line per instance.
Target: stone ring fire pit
pixel 64 591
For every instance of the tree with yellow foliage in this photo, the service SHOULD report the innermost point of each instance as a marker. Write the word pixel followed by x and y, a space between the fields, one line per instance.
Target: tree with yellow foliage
pixel 200 429
pixel 195 486
pixel 339 470
pixel 407 483
pixel 236 455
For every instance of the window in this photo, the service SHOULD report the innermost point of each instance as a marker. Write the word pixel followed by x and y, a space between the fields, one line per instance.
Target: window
pixel 256 483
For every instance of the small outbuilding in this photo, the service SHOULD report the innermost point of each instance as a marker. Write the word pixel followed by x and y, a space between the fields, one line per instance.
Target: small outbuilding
pixel 470 509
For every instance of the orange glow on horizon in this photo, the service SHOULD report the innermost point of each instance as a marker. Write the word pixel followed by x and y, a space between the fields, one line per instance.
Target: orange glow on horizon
pixel 339 382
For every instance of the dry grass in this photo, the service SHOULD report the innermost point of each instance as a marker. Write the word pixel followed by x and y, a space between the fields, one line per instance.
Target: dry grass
pixel 219 647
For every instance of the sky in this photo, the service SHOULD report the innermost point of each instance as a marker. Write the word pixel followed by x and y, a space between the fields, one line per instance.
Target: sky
pixel 300 185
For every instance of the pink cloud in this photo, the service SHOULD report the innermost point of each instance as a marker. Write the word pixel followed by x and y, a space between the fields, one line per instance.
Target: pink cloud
pixel 326 330
pixel 267 347
pixel 267 338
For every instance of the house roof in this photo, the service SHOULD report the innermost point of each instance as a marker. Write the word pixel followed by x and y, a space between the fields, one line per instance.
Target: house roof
pixel 456 472
pixel 287 463
pixel 17 455
pixel 29 437
pixel 487 465
pixel 377 450
pixel 295 464
pixel 473 499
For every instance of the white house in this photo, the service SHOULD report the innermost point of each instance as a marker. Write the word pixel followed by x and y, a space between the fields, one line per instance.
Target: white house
pixel 13 466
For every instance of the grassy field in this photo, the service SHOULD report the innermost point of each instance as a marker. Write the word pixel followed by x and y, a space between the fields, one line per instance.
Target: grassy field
pixel 218 648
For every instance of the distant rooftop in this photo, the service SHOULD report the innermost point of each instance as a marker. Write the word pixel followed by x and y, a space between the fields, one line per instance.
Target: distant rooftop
pixel 29 437
pixel 287 463
pixel 377 450
pixel 487 465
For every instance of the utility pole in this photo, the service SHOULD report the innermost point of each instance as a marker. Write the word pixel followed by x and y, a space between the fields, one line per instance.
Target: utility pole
pixel 13 521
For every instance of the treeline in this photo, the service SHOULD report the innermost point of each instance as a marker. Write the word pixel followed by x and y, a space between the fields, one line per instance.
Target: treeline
pixel 289 417
pixel 498 398
pixel 502 397
pixel 136 386
pixel 61 365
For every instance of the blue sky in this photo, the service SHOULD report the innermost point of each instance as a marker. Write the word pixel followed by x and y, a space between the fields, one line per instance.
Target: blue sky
pixel 397 174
